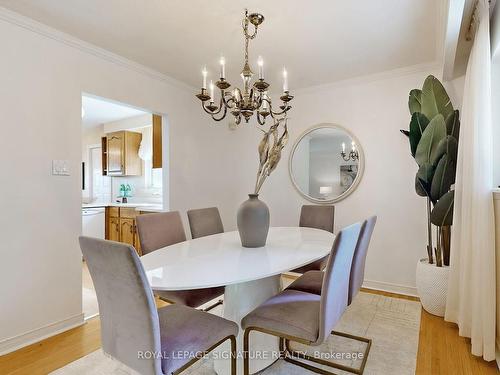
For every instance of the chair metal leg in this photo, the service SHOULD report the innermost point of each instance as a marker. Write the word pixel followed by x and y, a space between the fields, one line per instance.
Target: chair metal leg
pixel 282 346
pixel 361 339
pixel 292 356
pixel 197 358
pixel 211 307
pixel 233 355
pixel 357 371
pixel 246 353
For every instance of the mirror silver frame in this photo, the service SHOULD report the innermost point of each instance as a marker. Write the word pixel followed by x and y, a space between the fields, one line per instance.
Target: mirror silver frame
pixel 361 164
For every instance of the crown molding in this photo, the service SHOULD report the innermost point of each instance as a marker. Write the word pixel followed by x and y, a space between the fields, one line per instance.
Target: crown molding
pixel 434 66
pixel 91 49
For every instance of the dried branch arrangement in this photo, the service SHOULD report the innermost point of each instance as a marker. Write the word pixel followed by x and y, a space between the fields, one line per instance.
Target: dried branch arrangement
pixel 270 151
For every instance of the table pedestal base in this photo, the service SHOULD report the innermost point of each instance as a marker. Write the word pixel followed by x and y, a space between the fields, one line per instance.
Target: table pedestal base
pixel 239 300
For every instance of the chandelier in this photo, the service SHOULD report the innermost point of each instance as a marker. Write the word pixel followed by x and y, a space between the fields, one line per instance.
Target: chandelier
pixel 253 98
pixel 353 154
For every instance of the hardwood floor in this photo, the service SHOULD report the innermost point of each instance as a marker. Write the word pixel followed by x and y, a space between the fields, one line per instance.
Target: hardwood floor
pixel 440 352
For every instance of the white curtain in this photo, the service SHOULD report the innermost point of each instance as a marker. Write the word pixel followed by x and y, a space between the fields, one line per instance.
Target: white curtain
pixel 471 290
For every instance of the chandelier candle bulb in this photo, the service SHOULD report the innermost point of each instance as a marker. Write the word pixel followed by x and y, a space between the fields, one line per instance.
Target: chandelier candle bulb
pixel 222 67
pixel 212 92
pixel 343 147
pixel 204 74
pixel 285 80
pixel 260 63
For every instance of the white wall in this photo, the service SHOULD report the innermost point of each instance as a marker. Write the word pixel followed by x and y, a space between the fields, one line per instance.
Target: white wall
pixel 374 109
pixel 300 165
pixel 40 114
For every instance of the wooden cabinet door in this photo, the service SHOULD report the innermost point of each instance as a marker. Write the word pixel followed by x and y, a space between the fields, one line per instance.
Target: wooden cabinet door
pixel 116 154
pixel 137 241
pixel 114 229
pixel 127 231
pixel 157 142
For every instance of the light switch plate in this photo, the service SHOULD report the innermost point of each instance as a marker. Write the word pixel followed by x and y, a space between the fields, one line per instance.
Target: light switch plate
pixel 60 167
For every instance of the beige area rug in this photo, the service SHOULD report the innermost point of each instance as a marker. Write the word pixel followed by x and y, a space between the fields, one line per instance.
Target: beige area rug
pixel 392 323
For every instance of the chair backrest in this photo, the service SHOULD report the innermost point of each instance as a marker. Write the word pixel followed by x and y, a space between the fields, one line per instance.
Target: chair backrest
pixel 129 319
pixel 336 280
pixel 205 222
pixel 159 230
pixel 359 260
pixel 319 217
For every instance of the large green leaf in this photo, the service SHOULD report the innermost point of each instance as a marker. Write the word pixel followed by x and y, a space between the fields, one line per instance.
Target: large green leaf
pixel 423 179
pixel 448 146
pixel 414 101
pixel 444 177
pixel 434 99
pixel 453 124
pixel 418 124
pixel 432 135
pixel 442 213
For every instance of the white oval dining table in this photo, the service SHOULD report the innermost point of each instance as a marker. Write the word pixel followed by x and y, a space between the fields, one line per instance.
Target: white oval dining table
pixel 250 275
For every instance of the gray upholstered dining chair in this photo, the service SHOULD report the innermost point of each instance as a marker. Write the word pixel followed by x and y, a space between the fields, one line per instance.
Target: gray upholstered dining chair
pixel 305 317
pixel 205 222
pixel 133 331
pixel 311 282
pixel 318 217
pixel 163 229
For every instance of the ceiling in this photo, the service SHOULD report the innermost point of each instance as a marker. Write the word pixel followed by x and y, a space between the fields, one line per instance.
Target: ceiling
pixel 99 111
pixel 319 41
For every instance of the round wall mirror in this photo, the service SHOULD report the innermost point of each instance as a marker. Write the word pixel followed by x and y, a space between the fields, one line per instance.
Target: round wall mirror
pixel 326 163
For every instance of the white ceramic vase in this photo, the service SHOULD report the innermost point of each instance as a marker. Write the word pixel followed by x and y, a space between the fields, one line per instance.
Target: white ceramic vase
pixel 432 286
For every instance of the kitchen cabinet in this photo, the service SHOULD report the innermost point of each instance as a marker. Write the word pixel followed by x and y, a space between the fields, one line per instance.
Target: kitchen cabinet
pixel 127 231
pixel 157 141
pixel 121 226
pixel 114 229
pixel 122 154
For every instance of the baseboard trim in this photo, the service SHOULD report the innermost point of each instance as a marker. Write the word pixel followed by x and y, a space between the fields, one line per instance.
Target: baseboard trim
pixel 17 342
pixel 391 288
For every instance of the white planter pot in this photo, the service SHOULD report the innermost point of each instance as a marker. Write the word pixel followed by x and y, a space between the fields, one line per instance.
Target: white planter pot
pixel 432 286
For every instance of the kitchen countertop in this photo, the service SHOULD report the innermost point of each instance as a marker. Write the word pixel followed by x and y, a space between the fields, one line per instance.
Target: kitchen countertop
pixel 149 207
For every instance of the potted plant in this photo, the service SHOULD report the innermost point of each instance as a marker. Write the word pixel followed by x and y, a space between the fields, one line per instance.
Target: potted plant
pixel 433 137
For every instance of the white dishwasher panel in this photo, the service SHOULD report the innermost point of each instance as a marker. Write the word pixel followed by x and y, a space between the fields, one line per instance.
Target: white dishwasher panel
pixel 93 222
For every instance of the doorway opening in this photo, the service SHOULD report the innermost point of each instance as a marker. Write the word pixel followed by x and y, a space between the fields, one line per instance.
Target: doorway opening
pixel 122 175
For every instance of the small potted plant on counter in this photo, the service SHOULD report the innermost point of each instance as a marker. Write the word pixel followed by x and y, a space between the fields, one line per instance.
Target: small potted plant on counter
pixel 433 136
